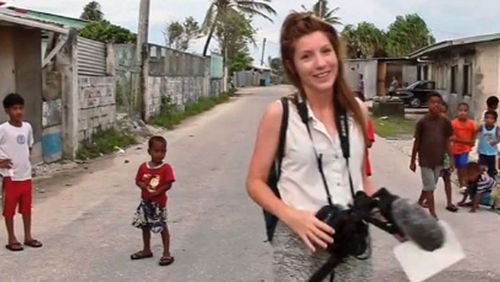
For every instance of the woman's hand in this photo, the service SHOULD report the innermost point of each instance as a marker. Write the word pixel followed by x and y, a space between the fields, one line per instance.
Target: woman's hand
pixel 310 229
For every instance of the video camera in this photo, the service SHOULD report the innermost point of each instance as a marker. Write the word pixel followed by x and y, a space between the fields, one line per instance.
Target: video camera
pixel 384 210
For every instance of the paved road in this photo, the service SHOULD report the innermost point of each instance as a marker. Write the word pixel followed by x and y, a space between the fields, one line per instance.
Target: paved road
pixel 217 233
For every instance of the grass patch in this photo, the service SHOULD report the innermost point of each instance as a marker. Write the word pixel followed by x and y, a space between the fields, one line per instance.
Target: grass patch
pixel 170 115
pixel 105 142
pixel 394 127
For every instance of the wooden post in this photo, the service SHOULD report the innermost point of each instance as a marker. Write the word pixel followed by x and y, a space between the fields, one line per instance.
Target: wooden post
pixel 381 77
pixel 141 56
pixel 70 96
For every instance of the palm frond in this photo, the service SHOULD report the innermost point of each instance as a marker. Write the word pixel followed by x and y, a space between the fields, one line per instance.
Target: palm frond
pixel 209 18
pixel 256 5
pixel 335 10
pixel 252 12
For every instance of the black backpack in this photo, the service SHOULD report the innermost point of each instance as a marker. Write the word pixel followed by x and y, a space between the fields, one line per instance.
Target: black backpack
pixel 275 171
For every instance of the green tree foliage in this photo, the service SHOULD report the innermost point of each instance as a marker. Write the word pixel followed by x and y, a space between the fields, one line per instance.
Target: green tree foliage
pixel 102 30
pixel 240 61
pixel 179 35
pixel 234 32
pixel 363 40
pixel 407 34
pixel 106 32
pixel 218 8
pixel 173 33
pixel 92 12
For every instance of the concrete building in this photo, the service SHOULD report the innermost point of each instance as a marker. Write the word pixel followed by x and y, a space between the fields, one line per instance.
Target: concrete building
pixel 468 68
pixel 49 18
pixel 69 95
pixel 377 74
pixel 20 68
pixel 70 83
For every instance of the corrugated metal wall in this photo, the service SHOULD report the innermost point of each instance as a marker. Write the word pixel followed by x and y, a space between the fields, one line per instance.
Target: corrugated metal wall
pixel 91 57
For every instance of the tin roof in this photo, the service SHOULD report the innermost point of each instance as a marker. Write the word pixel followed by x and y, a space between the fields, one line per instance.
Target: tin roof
pixel 9 17
pixel 455 42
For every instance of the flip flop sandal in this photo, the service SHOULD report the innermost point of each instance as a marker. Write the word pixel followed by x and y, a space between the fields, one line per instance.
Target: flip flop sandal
pixel 16 247
pixel 33 243
pixel 141 255
pixel 164 261
pixel 452 208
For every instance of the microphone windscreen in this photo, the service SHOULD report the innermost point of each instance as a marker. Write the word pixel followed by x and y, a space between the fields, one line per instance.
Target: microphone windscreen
pixel 418 225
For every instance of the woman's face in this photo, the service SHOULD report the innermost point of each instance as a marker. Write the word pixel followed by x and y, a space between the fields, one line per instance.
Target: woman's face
pixel 316 62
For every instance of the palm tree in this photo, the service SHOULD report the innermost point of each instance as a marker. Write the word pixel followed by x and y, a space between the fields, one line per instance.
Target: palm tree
pixel 218 8
pixel 92 12
pixel 363 41
pixel 321 10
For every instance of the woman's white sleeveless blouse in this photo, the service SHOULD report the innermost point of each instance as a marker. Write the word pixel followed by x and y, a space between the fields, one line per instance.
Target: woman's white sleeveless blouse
pixel 300 183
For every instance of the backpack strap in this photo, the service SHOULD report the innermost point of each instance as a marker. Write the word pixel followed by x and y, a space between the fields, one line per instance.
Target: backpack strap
pixel 275 171
pixel 283 128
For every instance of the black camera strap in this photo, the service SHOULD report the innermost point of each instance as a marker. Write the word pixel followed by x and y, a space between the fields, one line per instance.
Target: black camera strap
pixel 343 129
pixel 341 123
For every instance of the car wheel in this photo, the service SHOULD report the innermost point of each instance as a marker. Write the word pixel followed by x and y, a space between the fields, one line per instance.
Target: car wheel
pixel 415 103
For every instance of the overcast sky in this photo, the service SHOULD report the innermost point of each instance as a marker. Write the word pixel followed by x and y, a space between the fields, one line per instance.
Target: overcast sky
pixel 446 18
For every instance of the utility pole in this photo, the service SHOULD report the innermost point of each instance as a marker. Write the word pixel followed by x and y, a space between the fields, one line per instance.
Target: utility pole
pixel 141 56
pixel 263 52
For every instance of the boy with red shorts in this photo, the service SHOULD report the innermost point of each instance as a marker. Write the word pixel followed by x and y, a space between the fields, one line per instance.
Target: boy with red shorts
pixel 16 139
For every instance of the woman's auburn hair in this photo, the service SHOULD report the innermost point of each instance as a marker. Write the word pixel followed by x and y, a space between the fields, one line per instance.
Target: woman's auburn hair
pixel 299 24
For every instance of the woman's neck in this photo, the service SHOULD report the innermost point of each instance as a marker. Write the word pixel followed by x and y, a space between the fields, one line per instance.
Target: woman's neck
pixel 320 101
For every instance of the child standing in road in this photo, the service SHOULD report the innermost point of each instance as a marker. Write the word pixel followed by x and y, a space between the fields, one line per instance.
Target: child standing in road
pixel 463 139
pixel 448 165
pixel 432 142
pixel 488 140
pixel 154 178
pixel 16 140
pixel 446 172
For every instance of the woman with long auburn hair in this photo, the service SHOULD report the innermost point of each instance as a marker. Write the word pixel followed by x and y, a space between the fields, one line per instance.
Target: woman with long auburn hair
pixel 311 55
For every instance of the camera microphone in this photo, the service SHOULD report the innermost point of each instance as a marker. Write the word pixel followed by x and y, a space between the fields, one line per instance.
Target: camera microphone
pixel 412 220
